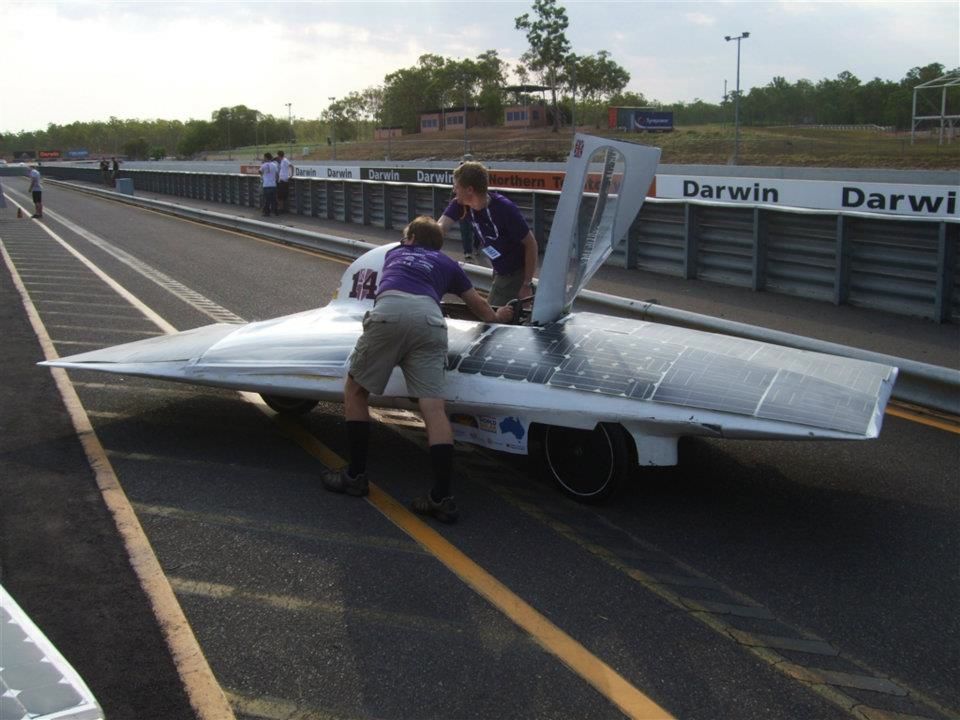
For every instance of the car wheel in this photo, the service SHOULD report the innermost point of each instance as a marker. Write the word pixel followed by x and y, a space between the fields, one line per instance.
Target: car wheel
pixel 289 405
pixel 587 465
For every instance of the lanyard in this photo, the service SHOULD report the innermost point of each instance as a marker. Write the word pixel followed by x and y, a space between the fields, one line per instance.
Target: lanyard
pixel 484 239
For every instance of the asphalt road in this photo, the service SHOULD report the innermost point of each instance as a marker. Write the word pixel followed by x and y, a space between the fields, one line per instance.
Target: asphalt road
pixel 755 580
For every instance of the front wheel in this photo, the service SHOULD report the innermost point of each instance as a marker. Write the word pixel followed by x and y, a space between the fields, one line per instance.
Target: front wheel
pixel 289 405
pixel 587 465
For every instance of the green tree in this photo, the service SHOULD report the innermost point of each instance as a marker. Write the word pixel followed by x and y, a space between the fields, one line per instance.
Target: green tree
pixel 549 47
pixel 594 78
pixel 138 149
pixel 198 135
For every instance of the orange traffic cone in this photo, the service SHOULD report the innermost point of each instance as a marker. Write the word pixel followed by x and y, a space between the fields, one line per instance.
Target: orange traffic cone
pixel 19 212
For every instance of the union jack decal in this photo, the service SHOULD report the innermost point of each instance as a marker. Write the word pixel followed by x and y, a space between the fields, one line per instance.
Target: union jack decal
pixel 578 149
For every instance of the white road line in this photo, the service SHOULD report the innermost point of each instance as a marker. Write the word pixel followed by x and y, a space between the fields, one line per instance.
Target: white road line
pixel 177 289
pixel 206 696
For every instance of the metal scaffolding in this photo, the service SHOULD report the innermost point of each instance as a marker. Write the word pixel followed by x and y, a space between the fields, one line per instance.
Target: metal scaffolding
pixel 949 121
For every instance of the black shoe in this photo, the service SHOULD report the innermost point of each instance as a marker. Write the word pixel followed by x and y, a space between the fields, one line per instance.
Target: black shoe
pixel 468 257
pixel 37 216
pixel 342 482
pixel 445 511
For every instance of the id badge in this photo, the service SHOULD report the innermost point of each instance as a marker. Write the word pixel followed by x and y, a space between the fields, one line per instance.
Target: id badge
pixel 491 252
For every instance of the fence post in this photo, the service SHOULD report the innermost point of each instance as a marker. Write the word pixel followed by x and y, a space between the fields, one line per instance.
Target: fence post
pixel 331 209
pixel 364 203
pixel 759 274
pixel 841 277
pixel 689 241
pixel 946 260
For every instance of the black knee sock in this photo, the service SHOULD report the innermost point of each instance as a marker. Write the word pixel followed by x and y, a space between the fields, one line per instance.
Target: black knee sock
pixel 358 437
pixel 441 457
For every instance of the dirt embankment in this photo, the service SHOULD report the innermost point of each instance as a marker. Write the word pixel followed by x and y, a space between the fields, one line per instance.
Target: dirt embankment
pixel 709 144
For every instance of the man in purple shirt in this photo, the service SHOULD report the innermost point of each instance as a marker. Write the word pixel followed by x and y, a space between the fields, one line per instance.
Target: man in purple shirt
pixel 406 328
pixel 500 229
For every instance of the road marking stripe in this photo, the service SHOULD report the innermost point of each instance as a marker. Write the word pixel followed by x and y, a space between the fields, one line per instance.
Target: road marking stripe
pixel 377 542
pixel 77 342
pixel 842 679
pixel 668 586
pixel 923 416
pixel 205 695
pixel 607 681
pixel 419 623
pixel 88 328
pixel 604 678
pixel 265 707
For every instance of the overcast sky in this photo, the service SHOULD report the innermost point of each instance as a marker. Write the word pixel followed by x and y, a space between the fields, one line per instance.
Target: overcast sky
pixel 69 61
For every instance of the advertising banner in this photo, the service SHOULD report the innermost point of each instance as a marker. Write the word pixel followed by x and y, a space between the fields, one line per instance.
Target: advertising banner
pixel 327 172
pixel 49 154
pixel 888 198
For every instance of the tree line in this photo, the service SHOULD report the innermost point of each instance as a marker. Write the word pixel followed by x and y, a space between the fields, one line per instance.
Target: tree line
pixel 581 88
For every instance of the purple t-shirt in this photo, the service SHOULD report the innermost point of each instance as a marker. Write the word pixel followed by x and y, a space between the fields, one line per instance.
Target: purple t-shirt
pixel 501 228
pixel 421 271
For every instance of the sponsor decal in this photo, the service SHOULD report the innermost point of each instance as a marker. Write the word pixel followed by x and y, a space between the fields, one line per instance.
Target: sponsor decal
pixel 487 423
pixel 506 434
pixel 364 284
pixel 513 426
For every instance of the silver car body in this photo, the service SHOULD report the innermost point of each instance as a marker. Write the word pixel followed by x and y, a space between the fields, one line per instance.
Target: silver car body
pixel 566 369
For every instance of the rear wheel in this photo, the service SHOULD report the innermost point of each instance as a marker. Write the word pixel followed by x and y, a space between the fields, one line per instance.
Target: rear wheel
pixel 289 405
pixel 587 465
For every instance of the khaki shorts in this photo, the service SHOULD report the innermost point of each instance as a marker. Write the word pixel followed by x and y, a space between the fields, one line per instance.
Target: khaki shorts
pixel 405 330
pixel 505 288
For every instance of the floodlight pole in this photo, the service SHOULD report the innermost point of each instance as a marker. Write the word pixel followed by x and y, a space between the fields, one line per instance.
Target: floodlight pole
pixel 290 128
pixel 465 147
pixel 736 111
pixel 333 128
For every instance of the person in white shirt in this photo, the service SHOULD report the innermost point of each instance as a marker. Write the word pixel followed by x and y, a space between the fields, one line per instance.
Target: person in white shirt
pixel 37 191
pixel 283 182
pixel 268 177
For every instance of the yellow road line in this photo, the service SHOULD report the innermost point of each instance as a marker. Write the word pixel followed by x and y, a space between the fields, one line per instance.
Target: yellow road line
pixel 607 681
pixel 923 416
pixel 205 695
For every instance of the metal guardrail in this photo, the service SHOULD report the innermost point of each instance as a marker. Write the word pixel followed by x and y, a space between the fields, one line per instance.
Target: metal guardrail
pixel 902 265
pixel 930 386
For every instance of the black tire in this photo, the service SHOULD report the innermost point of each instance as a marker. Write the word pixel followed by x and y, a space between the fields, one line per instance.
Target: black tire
pixel 289 405
pixel 587 465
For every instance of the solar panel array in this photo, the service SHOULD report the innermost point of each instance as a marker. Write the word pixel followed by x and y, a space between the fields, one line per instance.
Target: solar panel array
pixel 647 361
